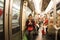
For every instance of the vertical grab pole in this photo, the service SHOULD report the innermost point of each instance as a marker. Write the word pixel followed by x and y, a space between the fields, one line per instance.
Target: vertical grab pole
pixel 54 11
pixel 20 18
pixel 10 19
pixel 56 34
pixel 5 19
pixel 54 2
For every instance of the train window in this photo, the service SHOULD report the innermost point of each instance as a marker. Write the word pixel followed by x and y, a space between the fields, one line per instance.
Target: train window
pixel 15 20
pixel 1 19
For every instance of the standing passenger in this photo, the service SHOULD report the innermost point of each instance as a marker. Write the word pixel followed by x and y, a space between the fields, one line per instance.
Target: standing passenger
pixel 45 23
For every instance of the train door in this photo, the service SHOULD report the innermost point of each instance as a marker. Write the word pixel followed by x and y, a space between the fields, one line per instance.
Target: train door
pixel 14 19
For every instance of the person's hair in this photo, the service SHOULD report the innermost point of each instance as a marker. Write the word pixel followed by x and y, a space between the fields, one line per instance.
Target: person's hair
pixel 30 15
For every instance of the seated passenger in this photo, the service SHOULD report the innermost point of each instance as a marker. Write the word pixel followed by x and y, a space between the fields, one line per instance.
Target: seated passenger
pixel 30 26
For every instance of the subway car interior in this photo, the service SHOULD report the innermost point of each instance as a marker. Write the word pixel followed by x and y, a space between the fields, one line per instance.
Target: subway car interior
pixel 29 19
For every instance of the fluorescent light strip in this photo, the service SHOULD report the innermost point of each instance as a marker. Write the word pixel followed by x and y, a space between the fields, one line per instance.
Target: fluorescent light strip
pixel 50 6
pixel 37 5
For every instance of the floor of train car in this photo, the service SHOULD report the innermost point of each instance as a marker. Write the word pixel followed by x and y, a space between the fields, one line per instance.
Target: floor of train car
pixel 15 32
pixel 46 37
pixel 39 37
pixel 17 37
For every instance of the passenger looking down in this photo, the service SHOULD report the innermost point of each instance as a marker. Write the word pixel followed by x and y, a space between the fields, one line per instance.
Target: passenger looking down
pixel 30 27
pixel 30 23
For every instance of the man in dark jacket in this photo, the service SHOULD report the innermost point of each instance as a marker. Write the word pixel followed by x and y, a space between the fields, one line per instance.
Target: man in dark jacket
pixel 30 26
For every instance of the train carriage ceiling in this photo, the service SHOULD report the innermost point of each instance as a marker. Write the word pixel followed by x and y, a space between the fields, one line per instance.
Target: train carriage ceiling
pixel 30 4
pixel 44 4
pixel 58 6
pixel 16 4
pixel 33 5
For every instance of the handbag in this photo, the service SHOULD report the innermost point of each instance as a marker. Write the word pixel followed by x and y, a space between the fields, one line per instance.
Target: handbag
pixel 30 28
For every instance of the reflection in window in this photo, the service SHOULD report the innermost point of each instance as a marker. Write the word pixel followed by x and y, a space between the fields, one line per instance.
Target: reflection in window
pixel 1 13
pixel 1 19
pixel 15 20
pixel 15 13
